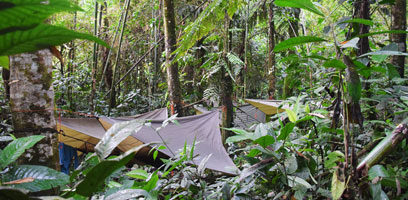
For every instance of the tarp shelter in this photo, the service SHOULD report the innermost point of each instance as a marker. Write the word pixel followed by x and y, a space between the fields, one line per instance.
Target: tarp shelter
pixel 85 133
pixel 204 129
pixel 269 107
pixel 244 117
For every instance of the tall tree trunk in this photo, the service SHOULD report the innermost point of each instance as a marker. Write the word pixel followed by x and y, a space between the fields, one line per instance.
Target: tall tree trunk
pixel 399 22
pixel 362 9
pixel 107 75
pixel 32 105
pixel 226 83
pixel 173 81
pixel 6 77
pixel 95 62
pixel 71 66
pixel 200 53
pixel 293 32
pixel 271 55
pixel 116 69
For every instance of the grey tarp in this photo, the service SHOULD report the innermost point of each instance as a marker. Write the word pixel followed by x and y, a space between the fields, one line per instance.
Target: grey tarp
pixel 206 132
pixel 244 117
pixel 159 114
pixel 204 128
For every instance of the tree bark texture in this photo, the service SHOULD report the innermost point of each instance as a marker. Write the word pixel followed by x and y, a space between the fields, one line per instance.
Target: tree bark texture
pixel 271 55
pixel 293 32
pixel 105 55
pixel 399 22
pixel 173 82
pixel 32 105
pixel 362 9
pixel 6 77
pixel 226 84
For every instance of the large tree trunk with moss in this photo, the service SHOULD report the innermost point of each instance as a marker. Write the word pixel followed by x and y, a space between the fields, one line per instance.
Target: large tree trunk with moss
pixel 173 82
pixel 226 84
pixel 271 55
pixel 399 22
pixel 32 105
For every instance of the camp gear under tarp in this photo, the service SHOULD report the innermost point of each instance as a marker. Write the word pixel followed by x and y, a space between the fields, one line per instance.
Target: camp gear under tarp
pixel 67 154
pixel 204 129
pixel 244 117
pixel 269 107
pixel 85 133
pixel 247 115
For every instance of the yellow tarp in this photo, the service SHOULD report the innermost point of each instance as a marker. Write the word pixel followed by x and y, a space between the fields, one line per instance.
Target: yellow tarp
pixel 269 107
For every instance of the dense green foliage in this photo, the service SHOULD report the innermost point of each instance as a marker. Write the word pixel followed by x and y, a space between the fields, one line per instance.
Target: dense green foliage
pixel 342 103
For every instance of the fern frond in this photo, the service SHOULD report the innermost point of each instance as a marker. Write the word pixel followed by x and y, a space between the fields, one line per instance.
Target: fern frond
pixel 205 23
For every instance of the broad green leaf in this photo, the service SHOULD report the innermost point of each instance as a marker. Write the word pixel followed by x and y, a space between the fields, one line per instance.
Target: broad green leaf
pixel 307 109
pixel 237 131
pixel 293 181
pixel 192 149
pixel 285 131
pixel 155 154
pixel 292 115
pixel 303 4
pixel 151 184
pixel 115 135
pixel 380 58
pixel 333 158
pixel 338 186
pixel 237 138
pixel 387 53
pixel 291 42
pixel 291 164
pixel 383 32
pixel 95 178
pixel 40 37
pixel 335 64
pixel 18 13
pixel 127 194
pixel 4 62
pixel 114 184
pixel 16 148
pixel 392 71
pixel 265 141
pixel 44 178
pixel 316 57
pixel 253 153
pixel 354 86
pixel 377 193
pixel 359 21
pixel 251 170
pixel 377 171
pixel 138 173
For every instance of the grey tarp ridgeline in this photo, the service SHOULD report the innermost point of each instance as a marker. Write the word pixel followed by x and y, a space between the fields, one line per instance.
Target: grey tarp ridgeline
pixel 203 128
pixel 244 116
